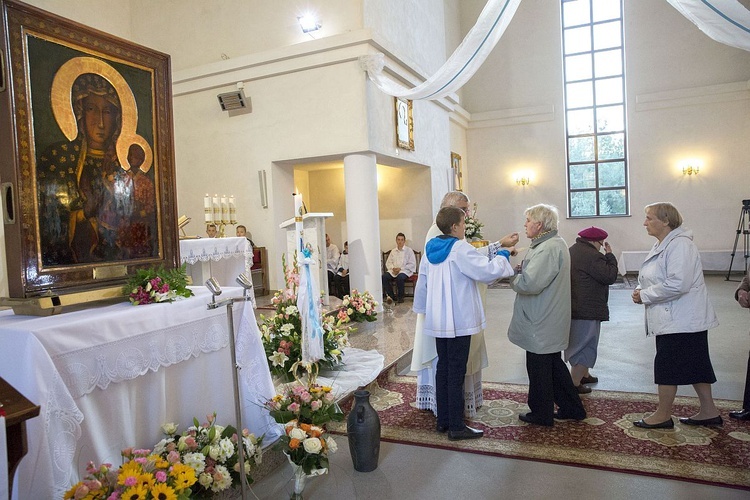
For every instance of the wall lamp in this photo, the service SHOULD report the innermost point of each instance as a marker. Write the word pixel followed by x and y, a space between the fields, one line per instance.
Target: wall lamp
pixel 523 180
pixel 690 170
pixel 308 23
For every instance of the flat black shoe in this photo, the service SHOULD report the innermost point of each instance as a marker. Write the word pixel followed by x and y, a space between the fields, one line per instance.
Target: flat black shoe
pixel 716 421
pixel 531 419
pixel 465 433
pixel 590 380
pixel 564 416
pixel 667 424
pixel 740 414
pixel 441 428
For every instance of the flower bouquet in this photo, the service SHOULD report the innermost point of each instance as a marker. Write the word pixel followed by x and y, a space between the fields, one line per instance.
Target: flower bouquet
pixel 157 285
pixel 282 331
pixel 144 475
pixel 210 451
pixel 358 307
pixel 304 411
pixel 473 226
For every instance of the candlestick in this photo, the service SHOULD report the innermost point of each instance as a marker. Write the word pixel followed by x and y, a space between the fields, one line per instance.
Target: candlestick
pixel 208 214
pixel 216 209
pixel 298 221
pixel 232 210
pixel 224 210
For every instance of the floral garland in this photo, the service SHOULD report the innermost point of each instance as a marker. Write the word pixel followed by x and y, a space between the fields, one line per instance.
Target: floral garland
pixel 157 285
pixel 282 331
pixel 473 226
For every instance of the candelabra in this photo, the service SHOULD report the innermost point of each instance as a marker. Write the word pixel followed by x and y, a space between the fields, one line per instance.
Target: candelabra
pixel 220 211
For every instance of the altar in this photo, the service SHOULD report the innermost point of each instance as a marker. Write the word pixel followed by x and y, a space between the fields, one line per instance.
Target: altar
pixel 222 258
pixel 108 377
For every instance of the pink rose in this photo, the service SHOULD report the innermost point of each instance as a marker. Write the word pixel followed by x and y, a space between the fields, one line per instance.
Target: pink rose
pixel 173 457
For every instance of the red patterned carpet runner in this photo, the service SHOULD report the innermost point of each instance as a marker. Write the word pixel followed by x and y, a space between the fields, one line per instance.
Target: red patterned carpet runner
pixel 606 440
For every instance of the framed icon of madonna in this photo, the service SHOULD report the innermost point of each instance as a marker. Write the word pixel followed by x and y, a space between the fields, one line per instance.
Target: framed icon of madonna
pixel 87 170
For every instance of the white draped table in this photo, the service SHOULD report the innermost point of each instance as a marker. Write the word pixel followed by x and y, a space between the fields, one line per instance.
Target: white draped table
pixel 108 377
pixel 222 258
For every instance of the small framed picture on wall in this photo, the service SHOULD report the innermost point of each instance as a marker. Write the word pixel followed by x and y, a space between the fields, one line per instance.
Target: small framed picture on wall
pixel 404 124
pixel 458 180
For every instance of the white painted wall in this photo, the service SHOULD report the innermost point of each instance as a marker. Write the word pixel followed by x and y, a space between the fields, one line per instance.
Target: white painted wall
pixel 688 96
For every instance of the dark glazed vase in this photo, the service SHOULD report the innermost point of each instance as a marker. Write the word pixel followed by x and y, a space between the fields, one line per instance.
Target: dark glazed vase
pixel 363 430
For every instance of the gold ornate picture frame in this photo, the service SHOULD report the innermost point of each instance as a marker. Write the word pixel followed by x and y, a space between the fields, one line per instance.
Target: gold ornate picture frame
pixel 458 176
pixel 404 124
pixel 87 127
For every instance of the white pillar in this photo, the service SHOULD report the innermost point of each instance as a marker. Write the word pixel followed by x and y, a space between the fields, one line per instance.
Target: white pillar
pixel 363 223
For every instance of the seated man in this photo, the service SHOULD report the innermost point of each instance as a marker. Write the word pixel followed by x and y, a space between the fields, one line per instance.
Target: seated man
pixel 341 280
pixel 332 263
pixel 401 264
pixel 211 230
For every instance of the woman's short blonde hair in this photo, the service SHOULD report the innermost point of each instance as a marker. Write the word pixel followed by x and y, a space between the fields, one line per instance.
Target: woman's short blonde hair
pixel 546 214
pixel 666 212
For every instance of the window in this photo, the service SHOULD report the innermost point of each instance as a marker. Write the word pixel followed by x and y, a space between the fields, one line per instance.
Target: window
pixel 595 126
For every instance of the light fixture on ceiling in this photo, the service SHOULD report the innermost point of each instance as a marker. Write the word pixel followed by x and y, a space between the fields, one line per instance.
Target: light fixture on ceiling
pixel 523 179
pixel 308 23
pixel 235 100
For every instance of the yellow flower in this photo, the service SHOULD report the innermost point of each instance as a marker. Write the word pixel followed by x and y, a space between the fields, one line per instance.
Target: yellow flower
pixel 146 479
pixel 128 469
pixel 163 491
pixel 137 492
pixel 184 476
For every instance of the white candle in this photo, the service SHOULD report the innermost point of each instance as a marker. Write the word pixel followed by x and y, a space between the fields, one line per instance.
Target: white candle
pixel 298 221
pixel 232 210
pixel 224 210
pixel 216 209
pixel 208 214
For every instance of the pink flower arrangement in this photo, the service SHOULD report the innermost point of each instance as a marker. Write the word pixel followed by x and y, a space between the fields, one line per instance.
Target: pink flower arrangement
pixel 357 307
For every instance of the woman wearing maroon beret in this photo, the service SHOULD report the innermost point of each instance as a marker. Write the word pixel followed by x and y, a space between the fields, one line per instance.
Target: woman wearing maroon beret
pixel 591 273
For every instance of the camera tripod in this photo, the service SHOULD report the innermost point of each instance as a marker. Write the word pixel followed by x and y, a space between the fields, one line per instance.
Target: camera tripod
pixel 743 228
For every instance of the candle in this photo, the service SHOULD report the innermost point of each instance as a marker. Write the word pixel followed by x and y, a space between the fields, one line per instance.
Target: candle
pixel 208 214
pixel 232 210
pixel 224 210
pixel 216 209
pixel 298 221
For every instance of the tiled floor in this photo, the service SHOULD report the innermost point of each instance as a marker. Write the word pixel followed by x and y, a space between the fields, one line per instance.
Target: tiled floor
pixel 625 364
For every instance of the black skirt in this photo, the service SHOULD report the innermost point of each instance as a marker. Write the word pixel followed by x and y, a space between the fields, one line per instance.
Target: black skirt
pixel 682 359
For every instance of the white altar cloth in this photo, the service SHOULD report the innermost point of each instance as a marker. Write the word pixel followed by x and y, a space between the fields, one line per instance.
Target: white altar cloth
pixel 222 258
pixel 108 377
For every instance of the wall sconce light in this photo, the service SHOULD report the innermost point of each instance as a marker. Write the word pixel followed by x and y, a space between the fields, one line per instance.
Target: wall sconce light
pixel 690 170
pixel 523 180
pixel 308 23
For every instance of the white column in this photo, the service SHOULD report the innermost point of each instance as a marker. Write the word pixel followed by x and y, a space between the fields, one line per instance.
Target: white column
pixel 363 223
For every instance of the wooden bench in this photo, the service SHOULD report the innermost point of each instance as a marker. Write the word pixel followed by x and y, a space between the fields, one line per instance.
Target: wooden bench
pixel 411 281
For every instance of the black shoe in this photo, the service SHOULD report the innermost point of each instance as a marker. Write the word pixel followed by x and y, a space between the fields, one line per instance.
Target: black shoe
pixel 667 424
pixel 716 421
pixel 590 380
pixel 441 428
pixel 531 419
pixel 583 389
pixel 564 416
pixel 740 414
pixel 466 433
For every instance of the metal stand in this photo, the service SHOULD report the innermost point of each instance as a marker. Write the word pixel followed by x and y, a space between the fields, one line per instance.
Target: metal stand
pixel 213 286
pixel 743 228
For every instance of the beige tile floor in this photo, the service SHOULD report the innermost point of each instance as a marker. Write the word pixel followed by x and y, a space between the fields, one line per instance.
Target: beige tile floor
pixel 625 364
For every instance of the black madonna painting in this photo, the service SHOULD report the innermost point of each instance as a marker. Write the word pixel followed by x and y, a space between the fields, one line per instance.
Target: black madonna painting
pixel 92 182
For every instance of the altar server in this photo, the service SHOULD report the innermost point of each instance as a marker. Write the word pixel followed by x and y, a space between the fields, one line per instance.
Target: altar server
pixel 447 294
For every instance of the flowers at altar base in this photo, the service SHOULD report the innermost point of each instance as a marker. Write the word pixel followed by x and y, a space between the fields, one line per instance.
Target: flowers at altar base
pixel 473 226
pixel 211 451
pixel 304 410
pixel 157 285
pixel 358 307
pixel 281 332
pixel 143 475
